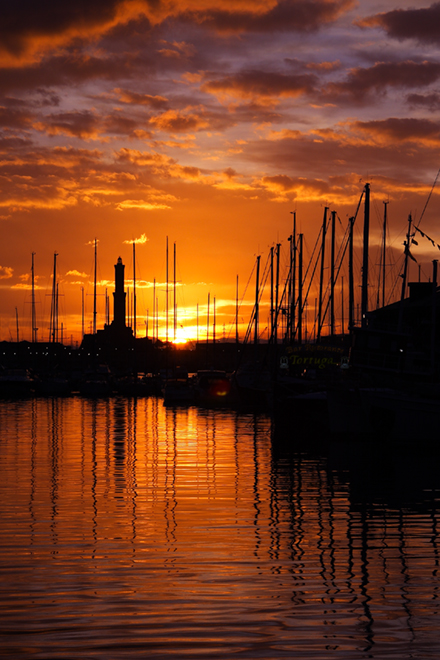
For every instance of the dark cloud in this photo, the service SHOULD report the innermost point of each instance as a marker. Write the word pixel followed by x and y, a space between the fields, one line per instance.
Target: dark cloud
pixel 11 145
pixel 25 20
pixel 14 118
pixel 65 70
pixel 136 98
pixel 78 124
pixel 298 15
pixel 256 83
pixel 91 125
pixel 420 24
pixel 429 101
pixel 396 130
pixel 385 148
pixel 28 28
pixel 360 82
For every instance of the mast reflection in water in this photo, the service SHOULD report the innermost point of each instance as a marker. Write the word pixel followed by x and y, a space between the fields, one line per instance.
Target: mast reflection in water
pixel 131 530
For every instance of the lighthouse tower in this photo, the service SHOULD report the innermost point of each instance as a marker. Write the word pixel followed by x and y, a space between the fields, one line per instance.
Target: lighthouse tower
pixel 119 296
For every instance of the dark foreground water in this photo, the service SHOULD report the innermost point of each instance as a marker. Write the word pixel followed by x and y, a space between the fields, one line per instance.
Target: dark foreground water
pixel 128 530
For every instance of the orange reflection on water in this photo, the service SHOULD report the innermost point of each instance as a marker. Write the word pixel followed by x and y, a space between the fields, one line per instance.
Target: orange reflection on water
pixel 129 529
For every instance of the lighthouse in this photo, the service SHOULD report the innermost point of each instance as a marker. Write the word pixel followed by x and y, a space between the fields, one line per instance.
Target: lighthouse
pixel 119 296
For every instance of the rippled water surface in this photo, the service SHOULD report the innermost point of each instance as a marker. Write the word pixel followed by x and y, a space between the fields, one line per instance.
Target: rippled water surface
pixel 132 530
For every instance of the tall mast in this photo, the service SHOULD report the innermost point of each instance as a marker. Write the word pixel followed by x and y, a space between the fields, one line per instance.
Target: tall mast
pixel 332 276
pixel 364 299
pixel 207 321
pixel 82 311
pixel 277 286
pixel 154 308
pixel 272 329
pixel 350 278
pixel 166 293
pixel 16 325
pixel 293 275
pixel 174 292
pixel 94 289
pixel 53 307
pixel 157 318
pixel 134 288
pixel 257 287
pixel 56 314
pixel 236 311
pixel 34 322
pixel 405 272
pixel 213 325
pixel 300 287
pixel 277 291
pixel 407 253
pixel 342 306
pixel 384 238
pixel 321 278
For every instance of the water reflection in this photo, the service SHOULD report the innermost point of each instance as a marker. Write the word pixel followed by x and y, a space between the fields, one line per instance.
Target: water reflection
pixel 130 529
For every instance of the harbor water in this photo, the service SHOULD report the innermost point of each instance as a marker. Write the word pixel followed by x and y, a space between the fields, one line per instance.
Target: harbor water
pixel 132 530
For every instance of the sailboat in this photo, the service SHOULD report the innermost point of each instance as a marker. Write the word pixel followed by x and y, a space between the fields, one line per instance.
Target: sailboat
pixel 392 389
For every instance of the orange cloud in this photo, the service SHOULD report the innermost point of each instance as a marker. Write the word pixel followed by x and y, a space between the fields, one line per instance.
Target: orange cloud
pixel 262 85
pixel 138 241
pixel 76 273
pixel 6 272
pixel 134 98
pixel 159 164
pixel 175 121
pixel 129 204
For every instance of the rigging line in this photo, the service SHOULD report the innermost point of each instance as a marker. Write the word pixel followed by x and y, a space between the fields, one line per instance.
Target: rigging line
pixel 338 270
pixel 311 256
pixel 306 297
pixel 429 197
pixel 264 279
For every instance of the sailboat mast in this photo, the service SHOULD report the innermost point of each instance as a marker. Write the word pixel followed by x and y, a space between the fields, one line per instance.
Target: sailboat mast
pixel 53 307
pixel 94 289
pixel 174 296
pixel 293 276
pixel 272 329
pixel 213 325
pixel 332 276
pixel 154 309
pixel 236 311
pixel 277 287
pixel 34 323
pixel 350 277
pixel 384 239
pixel 364 299
pixel 342 306
pixel 166 294
pixel 321 278
pixel 82 311
pixel 207 321
pixel 56 314
pixel 405 272
pixel 300 287
pixel 134 289
pixel 257 287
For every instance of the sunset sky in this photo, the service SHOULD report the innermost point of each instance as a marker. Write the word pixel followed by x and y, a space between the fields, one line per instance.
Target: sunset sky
pixel 208 122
